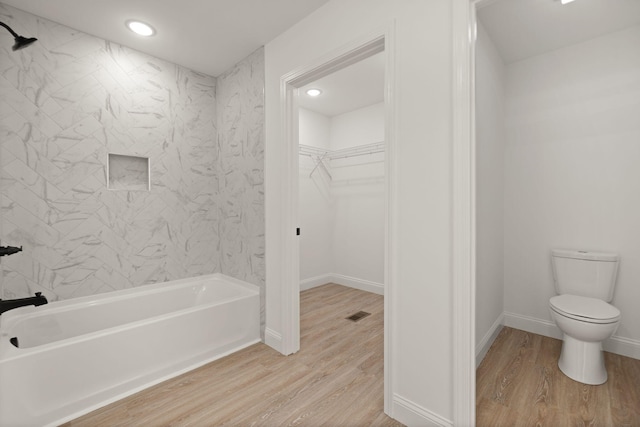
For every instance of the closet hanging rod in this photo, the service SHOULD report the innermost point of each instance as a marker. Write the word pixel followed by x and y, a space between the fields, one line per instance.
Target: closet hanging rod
pixel 307 150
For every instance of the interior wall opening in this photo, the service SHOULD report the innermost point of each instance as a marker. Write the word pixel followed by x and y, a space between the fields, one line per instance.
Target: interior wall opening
pixel 342 178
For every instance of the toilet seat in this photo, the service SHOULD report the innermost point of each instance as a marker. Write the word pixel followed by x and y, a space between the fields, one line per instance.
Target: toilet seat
pixel 585 309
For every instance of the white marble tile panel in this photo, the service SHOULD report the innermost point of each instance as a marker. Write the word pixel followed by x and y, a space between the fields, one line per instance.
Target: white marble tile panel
pixel 6 157
pixel 92 285
pixel 77 98
pixel 80 129
pixel 111 239
pixel 79 264
pixel 30 125
pixel 113 278
pixel 112 258
pixel 17 286
pixel 20 171
pixel 30 268
pixel 79 46
pixel 76 69
pixel 72 93
pixel 240 123
pixel 15 191
pixel 16 99
pixel 124 57
pixel 50 35
pixel 5 109
pixel 71 114
pixel 50 107
pixel 14 72
pixel 13 147
pixel 34 181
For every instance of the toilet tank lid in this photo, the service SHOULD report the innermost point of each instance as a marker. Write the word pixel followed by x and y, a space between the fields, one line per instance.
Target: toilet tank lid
pixel 586 255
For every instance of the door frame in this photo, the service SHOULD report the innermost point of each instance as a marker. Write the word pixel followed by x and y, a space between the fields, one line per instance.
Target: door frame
pixel 463 200
pixel 464 211
pixel 351 53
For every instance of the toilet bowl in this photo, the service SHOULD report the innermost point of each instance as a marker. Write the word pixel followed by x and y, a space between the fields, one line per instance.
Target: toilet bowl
pixel 585 322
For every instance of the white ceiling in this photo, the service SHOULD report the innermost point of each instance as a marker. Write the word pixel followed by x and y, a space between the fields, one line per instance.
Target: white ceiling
pixel 209 36
pixel 356 86
pixel 524 28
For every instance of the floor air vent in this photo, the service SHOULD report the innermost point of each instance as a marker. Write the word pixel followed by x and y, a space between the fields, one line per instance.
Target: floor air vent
pixel 358 316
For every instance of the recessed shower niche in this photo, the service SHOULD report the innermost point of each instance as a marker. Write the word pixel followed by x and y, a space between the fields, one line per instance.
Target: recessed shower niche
pixel 128 172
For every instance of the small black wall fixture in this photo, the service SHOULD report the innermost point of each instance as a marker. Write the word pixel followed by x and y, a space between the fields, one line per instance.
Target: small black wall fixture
pixel 21 42
pixel 9 250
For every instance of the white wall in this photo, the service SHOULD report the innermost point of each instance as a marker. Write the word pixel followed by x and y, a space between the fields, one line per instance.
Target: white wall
pixel 571 171
pixel 358 196
pixel 421 341
pixel 490 143
pixel 342 217
pixel 362 126
pixel 316 212
pixel 314 129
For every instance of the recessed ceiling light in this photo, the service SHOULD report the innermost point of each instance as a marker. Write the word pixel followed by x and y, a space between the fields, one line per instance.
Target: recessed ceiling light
pixel 141 28
pixel 314 92
pixel 565 1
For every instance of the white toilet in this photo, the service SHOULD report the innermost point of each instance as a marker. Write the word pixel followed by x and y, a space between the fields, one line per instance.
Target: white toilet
pixel 584 282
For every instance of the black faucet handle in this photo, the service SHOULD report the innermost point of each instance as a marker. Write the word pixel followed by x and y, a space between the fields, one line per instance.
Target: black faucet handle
pixel 38 294
pixel 9 250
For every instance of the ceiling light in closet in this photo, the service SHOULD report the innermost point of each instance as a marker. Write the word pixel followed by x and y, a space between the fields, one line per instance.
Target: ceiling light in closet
pixel 141 28
pixel 314 92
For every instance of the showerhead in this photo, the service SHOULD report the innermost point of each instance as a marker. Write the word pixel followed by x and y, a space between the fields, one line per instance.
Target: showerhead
pixel 21 42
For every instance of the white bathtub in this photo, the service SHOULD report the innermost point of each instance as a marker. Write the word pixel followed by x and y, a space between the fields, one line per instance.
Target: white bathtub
pixel 75 356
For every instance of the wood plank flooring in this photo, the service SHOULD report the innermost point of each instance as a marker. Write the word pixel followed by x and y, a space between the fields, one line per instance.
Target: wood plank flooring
pixel 336 379
pixel 519 384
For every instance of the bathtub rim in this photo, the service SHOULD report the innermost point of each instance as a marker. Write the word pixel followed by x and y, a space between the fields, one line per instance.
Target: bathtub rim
pixel 10 352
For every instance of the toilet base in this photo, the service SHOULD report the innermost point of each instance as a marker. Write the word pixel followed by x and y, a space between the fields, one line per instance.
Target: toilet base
pixel 582 361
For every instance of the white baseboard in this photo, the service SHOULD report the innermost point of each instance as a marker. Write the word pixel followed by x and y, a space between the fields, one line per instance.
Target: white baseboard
pixel 313 282
pixel 485 343
pixel 340 279
pixel 618 345
pixel 532 324
pixel 623 346
pixel 363 285
pixel 273 339
pixel 412 414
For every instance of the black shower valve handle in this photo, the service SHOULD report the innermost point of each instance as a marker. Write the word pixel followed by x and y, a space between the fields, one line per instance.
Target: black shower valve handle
pixel 9 250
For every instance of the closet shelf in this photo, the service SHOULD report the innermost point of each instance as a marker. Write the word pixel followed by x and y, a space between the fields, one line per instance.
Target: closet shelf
pixel 359 150
pixel 321 155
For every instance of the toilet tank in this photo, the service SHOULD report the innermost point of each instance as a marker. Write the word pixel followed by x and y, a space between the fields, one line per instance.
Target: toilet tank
pixel 589 274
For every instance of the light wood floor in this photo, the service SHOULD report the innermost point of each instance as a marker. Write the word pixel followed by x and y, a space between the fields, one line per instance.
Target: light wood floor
pixel 519 384
pixel 336 379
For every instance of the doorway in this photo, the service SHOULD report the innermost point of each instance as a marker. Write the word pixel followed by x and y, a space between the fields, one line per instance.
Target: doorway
pixel 342 177
pixel 290 269
pixel 530 121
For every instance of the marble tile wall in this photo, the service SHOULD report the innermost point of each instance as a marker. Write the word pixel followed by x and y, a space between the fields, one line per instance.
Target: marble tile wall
pixel 240 119
pixel 69 100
